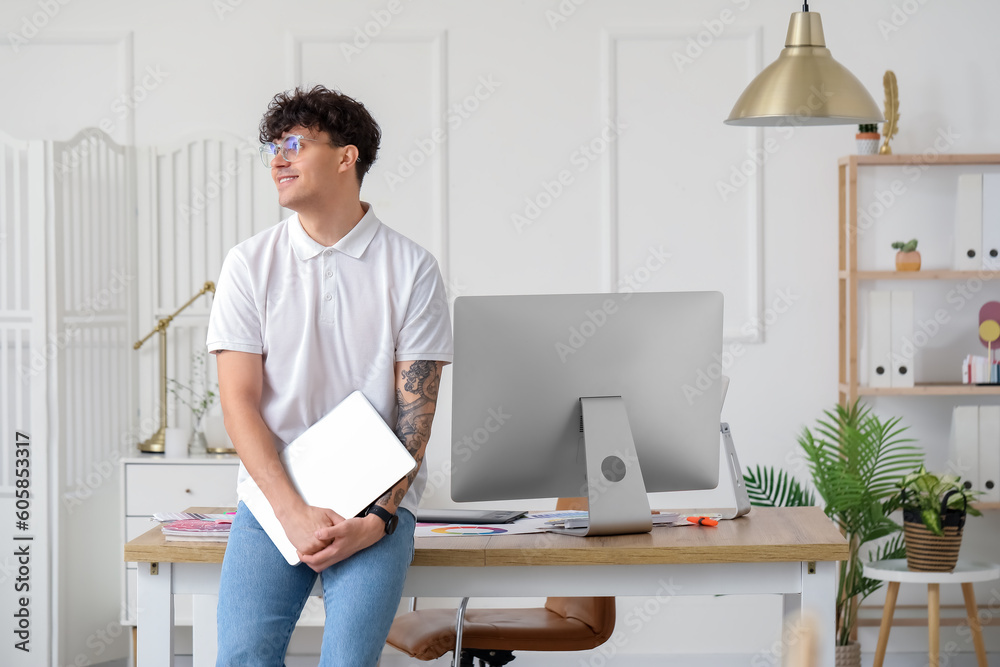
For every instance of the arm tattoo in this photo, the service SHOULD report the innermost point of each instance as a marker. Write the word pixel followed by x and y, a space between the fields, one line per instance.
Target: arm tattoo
pixel 414 418
pixel 423 379
pixel 413 428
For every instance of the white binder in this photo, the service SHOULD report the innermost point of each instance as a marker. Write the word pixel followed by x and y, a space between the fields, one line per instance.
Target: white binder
pixel 343 462
pixel 991 222
pixel 901 331
pixel 879 339
pixel 989 453
pixel 969 223
pixel 963 457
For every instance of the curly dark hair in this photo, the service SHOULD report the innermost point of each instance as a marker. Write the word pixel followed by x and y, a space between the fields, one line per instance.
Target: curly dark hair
pixel 346 120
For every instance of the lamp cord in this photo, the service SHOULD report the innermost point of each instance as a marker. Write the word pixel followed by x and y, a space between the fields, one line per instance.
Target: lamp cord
pixel 805 6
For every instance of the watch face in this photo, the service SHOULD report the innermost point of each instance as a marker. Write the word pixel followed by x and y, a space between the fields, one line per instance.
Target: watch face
pixel 390 525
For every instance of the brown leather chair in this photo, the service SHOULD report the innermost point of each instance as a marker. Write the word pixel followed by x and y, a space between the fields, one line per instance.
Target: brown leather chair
pixel 492 635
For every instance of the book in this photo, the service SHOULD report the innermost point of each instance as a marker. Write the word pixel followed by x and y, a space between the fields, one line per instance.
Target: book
pixel 163 517
pixel 198 530
pixel 344 462
pixel 197 538
pixel 978 370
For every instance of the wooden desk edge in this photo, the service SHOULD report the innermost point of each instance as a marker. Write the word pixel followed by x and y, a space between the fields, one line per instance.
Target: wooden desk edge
pixel 826 544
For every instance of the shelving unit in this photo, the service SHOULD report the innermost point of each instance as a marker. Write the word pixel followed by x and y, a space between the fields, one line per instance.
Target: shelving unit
pixel 923 389
pixel 850 277
pixel 850 280
pixel 933 274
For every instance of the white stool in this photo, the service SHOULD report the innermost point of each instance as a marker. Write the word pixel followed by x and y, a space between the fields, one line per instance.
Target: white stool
pixel 965 573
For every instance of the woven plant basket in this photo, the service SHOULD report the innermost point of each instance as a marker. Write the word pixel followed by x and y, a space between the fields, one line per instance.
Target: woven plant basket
pixel 927 552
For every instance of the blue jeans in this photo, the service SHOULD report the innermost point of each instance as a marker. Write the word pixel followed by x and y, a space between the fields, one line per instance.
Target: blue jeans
pixel 261 597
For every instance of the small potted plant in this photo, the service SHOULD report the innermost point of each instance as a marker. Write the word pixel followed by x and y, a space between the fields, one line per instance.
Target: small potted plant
pixel 867 138
pixel 908 258
pixel 197 397
pixel 934 510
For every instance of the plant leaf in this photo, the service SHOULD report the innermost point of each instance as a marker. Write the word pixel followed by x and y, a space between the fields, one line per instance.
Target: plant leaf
pixel 771 487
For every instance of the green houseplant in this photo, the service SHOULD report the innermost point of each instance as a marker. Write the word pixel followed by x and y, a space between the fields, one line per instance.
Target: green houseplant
pixel 907 257
pixel 867 138
pixel 855 460
pixel 934 510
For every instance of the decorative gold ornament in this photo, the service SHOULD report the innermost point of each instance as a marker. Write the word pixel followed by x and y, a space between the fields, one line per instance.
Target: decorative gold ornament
pixel 891 125
pixel 155 441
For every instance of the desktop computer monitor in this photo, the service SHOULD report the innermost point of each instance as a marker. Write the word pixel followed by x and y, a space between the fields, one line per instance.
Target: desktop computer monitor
pixel 607 396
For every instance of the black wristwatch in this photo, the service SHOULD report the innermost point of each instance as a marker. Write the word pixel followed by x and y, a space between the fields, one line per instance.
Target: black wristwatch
pixel 390 519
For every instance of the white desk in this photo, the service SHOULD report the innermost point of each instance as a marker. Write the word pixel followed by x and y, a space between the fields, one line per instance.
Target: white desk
pixel 786 551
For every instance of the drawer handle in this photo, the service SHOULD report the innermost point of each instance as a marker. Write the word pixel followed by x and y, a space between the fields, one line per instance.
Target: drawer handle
pixel 187 490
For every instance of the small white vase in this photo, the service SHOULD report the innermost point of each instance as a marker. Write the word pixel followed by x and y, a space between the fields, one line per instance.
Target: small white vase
pixel 197 443
pixel 214 428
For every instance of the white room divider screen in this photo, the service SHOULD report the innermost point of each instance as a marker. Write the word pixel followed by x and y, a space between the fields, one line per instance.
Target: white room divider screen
pixel 97 242
pixel 91 296
pixel 197 199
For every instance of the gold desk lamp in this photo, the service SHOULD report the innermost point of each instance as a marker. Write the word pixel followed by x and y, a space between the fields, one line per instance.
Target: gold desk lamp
pixel 155 442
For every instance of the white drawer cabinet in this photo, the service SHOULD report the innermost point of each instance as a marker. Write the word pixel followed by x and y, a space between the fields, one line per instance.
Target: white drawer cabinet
pixel 151 483
pixel 172 487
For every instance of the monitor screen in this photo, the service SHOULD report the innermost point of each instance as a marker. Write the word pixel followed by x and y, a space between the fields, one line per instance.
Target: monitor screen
pixel 523 364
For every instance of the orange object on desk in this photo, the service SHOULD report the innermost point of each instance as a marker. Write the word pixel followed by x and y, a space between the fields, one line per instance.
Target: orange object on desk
pixel 703 521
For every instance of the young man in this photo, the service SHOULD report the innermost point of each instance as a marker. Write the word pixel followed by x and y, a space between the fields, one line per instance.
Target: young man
pixel 326 302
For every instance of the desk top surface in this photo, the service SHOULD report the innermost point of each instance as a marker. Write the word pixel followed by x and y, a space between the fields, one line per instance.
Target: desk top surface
pixel 778 534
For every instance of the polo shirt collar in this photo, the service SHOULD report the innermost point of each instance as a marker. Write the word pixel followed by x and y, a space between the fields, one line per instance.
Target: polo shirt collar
pixel 353 244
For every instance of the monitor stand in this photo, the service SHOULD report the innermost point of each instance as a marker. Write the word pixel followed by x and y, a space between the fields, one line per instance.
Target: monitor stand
pixel 616 492
pixel 735 475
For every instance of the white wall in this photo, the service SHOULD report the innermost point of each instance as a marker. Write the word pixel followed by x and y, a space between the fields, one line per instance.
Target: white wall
pixel 548 75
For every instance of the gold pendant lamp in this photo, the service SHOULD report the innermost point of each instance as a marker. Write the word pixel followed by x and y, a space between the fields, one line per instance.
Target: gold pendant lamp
pixel 805 85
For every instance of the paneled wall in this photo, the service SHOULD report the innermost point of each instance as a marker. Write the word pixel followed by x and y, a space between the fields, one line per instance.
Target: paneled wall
pixel 534 147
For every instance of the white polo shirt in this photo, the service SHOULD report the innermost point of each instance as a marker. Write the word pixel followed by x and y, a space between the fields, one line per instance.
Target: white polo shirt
pixel 331 320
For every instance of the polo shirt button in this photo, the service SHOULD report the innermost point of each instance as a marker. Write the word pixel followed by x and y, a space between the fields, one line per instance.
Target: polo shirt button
pixel 328 253
pixel 329 273
pixel 328 297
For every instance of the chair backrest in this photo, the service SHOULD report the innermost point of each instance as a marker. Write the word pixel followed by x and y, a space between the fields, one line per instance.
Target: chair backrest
pixel 597 613
pixel 572 504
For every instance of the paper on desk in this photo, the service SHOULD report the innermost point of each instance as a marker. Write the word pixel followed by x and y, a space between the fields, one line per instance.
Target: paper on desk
pixel 538 522
pixel 660 520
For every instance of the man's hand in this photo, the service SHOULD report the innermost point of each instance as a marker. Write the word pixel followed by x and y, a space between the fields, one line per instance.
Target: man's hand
pixel 345 539
pixel 302 527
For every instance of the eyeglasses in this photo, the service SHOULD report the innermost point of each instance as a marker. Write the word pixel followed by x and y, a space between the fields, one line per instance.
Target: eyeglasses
pixel 288 147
